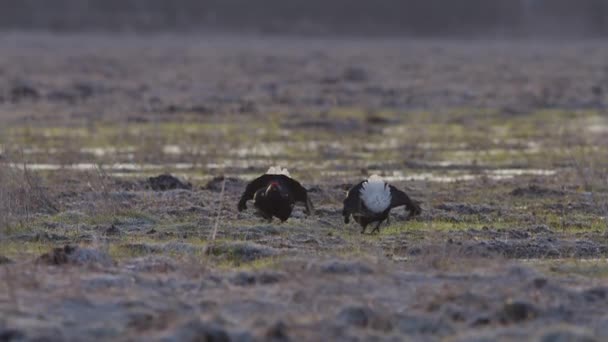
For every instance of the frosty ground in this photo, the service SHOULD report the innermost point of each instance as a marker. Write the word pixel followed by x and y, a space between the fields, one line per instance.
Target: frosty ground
pixel 504 143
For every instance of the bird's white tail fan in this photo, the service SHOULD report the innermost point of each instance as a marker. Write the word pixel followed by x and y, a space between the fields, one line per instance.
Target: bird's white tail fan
pixel 277 170
pixel 376 194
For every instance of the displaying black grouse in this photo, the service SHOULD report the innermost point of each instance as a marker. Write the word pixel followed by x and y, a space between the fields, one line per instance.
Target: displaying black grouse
pixel 372 200
pixel 275 194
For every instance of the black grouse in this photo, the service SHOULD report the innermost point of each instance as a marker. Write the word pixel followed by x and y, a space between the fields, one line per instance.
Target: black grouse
pixel 372 200
pixel 274 194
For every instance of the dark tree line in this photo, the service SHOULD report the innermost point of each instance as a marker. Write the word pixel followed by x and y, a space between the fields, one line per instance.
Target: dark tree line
pixel 405 17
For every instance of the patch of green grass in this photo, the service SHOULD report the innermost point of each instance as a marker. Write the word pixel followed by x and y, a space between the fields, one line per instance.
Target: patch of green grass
pixel 121 217
pixel 17 250
pixel 591 268
pixel 266 263
pixel 414 226
pixel 575 222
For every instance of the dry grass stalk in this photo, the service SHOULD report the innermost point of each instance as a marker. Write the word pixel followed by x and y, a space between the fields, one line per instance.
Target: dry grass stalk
pixel 21 196
pixel 219 211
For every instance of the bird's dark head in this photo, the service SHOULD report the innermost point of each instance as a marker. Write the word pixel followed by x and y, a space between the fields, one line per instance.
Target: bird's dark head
pixel 275 189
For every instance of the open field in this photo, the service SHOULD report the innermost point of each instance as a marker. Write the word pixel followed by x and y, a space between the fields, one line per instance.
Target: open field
pixel 504 143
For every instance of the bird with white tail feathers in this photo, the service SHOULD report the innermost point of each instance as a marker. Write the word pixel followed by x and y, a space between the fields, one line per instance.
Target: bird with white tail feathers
pixel 372 200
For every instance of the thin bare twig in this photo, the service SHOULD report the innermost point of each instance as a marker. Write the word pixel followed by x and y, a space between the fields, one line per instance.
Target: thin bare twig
pixel 219 211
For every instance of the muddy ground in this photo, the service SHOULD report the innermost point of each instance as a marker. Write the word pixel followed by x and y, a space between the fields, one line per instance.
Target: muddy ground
pixel 504 143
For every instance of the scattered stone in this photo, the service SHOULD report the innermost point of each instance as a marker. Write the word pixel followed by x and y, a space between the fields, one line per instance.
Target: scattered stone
pixel 167 182
pixel 345 267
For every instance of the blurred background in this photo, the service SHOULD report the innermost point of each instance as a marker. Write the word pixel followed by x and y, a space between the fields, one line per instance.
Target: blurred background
pixel 462 18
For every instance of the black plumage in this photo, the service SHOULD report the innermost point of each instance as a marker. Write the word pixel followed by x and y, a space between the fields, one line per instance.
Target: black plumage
pixel 275 195
pixel 355 205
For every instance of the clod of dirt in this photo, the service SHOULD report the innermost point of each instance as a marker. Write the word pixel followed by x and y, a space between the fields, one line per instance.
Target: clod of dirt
pixel 4 260
pixel 196 330
pixel 345 267
pixel 514 312
pixel 112 230
pixel 167 182
pixel 535 190
pixel 73 94
pixel 364 317
pixel 75 255
pixel 58 256
pixel 416 324
pixel 355 74
pixel 277 332
pixel 142 321
pixel 240 251
pixel 481 321
pixel 539 283
pixel 355 316
pixel 595 294
pixel 24 91
pixel 11 335
pixel 232 184
pixel 248 279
